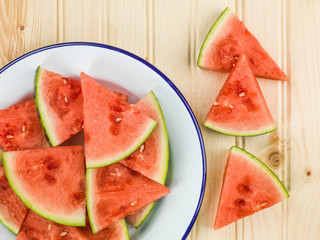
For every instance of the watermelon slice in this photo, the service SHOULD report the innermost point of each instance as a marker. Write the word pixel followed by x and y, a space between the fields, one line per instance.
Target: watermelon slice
pixel 50 181
pixel 240 108
pixel 36 227
pixel 20 128
pixel 12 210
pixel 116 231
pixel 115 191
pixel 113 128
pixel 59 102
pixel 227 40
pixel 151 159
pixel 248 187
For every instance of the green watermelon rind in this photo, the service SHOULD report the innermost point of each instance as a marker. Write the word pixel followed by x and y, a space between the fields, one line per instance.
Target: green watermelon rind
pixel 226 131
pixel 212 33
pixel 264 167
pixel 107 162
pixel 89 198
pixel 41 109
pixel 151 98
pixel 125 235
pixel 78 221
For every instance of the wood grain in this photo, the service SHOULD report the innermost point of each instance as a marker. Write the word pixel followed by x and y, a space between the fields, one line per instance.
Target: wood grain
pixel 169 34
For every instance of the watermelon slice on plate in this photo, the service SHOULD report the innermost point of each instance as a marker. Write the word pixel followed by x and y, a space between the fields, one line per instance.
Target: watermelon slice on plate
pixel 59 103
pixel 113 128
pixel 227 40
pixel 115 191
pixel 240 108
pixel 248 187
pixel 50 181
pixel 12 210
pixel 20 128
pixel 36 227
pixel 151 159
pixel 116 231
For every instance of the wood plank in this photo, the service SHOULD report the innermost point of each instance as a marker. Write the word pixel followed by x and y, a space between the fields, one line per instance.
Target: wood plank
pixel 304 208
pixel 25 26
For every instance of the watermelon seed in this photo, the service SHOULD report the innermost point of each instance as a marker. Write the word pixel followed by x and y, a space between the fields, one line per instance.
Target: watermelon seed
pixel 233 65
pixel 59 97
pixel 23 128
pixel 118 119
pixel 215 103
pixel 231 106
pixel 63 234
pixel 74 129
pixel 264 204
pixel 49 227
pixel 9 136
pixel 64 81
pixel 66 99
pixel 112 173
pixel 236 58
pixel 134 203
pixel 141 148
pixel 242 94
pixel 116 169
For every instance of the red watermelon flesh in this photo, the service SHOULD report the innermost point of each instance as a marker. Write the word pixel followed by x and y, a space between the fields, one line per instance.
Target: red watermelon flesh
pixel 116 231
pixel 36 227
pixel 50 181
pixel 240 108
pixel 115 191
pixel 12 210
pixel 113 128
pixel 20 128
pixel 248 187
pixel 227 40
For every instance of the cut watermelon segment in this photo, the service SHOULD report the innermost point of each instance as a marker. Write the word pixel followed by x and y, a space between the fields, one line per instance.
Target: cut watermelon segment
pixel 59 102
pixel 113 128
pixel 115 191
pixel 227 40
pixel 36 227
pixel 116 231
pixel 42 180
pixel 248 187
pixel 240 108
pixel 151 159
pixel 12 210
pixel 20 128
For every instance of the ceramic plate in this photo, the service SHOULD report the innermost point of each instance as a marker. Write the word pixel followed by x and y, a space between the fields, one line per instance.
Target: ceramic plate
pixel 175 214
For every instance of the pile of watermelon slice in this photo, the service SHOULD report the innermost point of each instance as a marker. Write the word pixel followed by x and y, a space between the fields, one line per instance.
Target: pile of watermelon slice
pixel 50 191
pixel 241 110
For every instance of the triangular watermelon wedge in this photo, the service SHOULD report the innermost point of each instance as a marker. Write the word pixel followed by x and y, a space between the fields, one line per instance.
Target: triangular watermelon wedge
pixel 227 40
pixel 20 128
pixel 240 108
pixel 152 157
pixel 115 191
pixel 113 129
pixel 50 181
pixel 248 187
pixel 12 210
pixel 36 227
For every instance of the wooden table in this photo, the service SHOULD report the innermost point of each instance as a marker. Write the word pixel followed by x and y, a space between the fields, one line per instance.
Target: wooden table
pixel 169 34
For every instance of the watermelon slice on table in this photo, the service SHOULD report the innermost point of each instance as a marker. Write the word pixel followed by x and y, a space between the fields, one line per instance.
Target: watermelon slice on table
pixel 50 181
pixel 116 231
pixel 115 191
pixel 20 128
pixel 227 40
pixel 12 210
pixel 151 159
pixel 36 227
pixel 240 108
pixel 59 102
pixel 113 128
pixel 248 187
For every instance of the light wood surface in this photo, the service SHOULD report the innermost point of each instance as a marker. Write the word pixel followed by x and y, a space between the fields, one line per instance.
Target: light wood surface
pixel 169 34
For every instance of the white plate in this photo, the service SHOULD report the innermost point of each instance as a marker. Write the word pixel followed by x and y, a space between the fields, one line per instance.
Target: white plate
pixel 175 214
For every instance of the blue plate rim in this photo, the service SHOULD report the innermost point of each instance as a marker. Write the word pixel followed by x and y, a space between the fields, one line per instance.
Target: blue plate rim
pixel 165 78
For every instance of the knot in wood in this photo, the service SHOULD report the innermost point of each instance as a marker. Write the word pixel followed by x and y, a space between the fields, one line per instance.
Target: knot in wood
pixel 275 159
